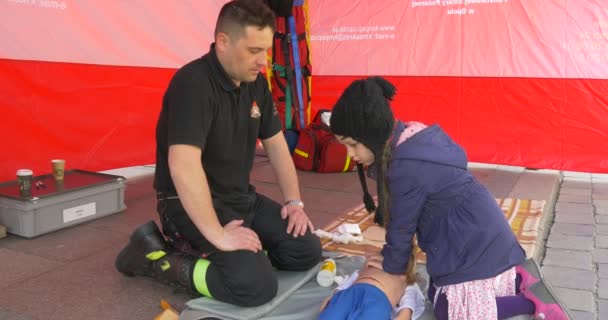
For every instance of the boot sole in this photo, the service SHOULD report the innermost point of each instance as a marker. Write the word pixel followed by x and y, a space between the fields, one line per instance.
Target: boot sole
pixel 145 240
pixel 550 289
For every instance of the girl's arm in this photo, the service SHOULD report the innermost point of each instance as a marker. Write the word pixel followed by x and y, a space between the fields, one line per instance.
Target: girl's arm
pixel 408 196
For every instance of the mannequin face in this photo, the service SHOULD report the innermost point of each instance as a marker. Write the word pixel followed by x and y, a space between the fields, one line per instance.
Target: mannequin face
pixel 357 150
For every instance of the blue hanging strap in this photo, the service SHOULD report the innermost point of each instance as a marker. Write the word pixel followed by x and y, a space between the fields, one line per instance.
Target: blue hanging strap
pixel 297 67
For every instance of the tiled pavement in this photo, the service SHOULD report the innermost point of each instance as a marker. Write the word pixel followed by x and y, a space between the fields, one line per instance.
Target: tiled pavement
pixel 576 260
pixel 69 274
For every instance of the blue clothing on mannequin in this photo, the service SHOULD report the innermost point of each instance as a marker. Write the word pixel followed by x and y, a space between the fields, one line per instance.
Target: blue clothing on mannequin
pixel 361 301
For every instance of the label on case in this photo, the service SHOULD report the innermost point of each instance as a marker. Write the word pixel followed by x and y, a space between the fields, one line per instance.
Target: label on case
pixel 79 212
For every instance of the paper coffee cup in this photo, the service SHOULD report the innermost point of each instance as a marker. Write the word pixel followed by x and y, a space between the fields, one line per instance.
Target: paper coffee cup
pixel 58 168
pixel 25 177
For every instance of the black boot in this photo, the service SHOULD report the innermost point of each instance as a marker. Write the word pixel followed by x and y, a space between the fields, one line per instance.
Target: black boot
pixel 147 254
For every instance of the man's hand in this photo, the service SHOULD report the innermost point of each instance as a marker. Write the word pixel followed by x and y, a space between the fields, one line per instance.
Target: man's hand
pixel 236 237
pixel 298 220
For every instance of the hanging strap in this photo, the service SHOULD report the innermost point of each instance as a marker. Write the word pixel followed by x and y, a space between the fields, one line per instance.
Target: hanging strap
pixel 283 72
pixel 296 61
pixel 280 73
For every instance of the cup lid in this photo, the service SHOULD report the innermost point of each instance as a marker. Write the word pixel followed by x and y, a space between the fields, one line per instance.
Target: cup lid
pixel 25 172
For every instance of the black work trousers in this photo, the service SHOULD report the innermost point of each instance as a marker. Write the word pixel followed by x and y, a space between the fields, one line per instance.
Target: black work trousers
pixel 243 277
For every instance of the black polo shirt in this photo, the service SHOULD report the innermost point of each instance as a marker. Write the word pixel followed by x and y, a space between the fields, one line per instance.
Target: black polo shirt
pixel 204 108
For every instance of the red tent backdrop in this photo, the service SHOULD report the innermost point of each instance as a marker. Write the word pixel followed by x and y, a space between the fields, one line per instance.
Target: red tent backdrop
pixel 516 82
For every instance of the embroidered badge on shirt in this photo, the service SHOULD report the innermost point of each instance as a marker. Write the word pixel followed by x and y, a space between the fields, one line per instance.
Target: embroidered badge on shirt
pixel 255 111
pixel 274 109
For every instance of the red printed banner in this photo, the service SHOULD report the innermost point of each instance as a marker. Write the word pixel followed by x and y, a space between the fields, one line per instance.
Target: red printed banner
pixel 120 33
pixel 470 38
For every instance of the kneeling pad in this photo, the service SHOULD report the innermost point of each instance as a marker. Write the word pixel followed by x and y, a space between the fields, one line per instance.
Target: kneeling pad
pixel 288 283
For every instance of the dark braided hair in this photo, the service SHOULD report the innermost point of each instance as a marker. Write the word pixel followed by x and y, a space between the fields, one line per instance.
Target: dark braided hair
pixel 363 113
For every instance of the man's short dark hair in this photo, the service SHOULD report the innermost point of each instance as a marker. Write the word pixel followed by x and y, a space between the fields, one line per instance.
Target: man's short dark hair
pixel 236 15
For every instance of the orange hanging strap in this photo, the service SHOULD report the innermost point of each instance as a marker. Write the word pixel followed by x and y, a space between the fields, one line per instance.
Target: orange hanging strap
pixel 309 78
pixel 269 69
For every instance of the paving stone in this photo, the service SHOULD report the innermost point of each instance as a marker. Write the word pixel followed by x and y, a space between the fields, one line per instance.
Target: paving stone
pixel 574 184
pixel 602 289
pixel 601 210
pixel 581 315
pixel 570 208
pixel 601 228
pixel 596 194
pixel 602 309
pixel 602 270
pixel 599 186
pixel 574 179
pixel 600 255
pixel 601 241
pixel 505 169
pixel 575 174
pixel 574 198
pixel 561 241
pixel 601 219
pixel 535 185
pixel 580 218
pixel 573 229
pixel 600 203
pixel 568 259
pixel 576 299
pixel 570 278
pixel 574 191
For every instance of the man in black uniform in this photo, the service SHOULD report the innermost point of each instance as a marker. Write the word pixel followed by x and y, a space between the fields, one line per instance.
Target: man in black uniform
pixel 213 111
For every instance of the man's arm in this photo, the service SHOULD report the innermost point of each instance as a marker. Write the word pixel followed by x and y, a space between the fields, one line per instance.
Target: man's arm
pixel 278 153
pixel 285 171
pixel 191 184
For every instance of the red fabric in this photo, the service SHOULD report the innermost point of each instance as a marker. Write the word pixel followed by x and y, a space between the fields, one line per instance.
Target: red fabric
pixel 95 117
pixel 279 81
pixel 538 123
pixel 318 150
pixel 103 117
pixel 541 39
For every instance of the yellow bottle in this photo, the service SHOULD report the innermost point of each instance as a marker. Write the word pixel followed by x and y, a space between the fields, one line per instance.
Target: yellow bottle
pixel 327 273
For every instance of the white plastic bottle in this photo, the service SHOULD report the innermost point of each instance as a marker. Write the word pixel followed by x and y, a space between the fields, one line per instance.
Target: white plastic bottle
pixel 327 273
